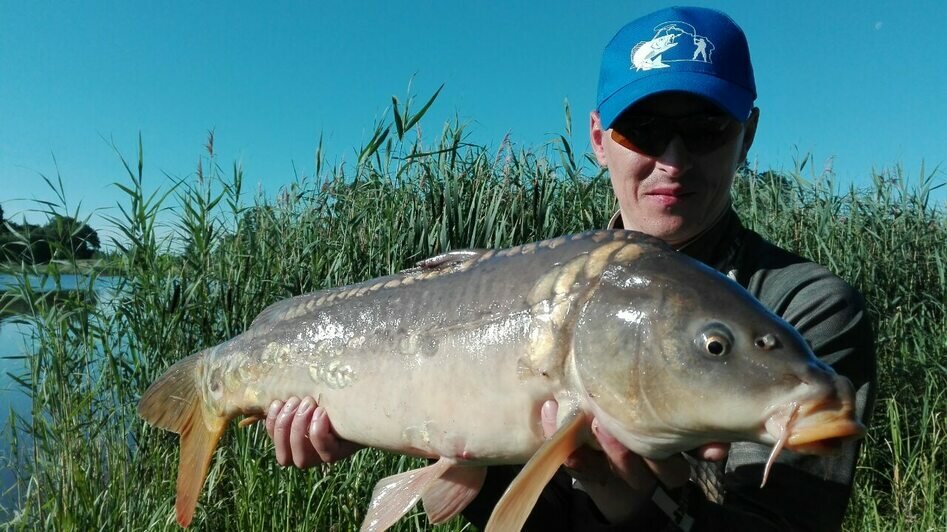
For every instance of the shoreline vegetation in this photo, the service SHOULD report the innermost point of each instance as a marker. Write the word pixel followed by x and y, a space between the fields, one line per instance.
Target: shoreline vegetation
pixel 61 237
pixel 86 461
pixel 61 267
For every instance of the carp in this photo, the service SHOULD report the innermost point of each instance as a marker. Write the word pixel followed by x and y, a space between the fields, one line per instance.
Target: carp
pixel 453 359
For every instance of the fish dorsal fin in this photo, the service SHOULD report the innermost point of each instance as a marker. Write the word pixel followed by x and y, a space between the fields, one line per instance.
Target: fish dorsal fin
pixel 394 496
pixel 450 494
pixel 518 500
pixel 445 260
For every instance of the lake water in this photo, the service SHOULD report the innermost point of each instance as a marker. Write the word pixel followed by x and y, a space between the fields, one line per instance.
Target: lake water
pixel 12 338
pixel 15 344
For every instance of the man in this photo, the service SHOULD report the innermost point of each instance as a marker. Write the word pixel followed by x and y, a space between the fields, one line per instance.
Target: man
pixel 672 125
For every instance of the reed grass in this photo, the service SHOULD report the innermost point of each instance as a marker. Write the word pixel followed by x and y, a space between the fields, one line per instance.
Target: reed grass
pixel 198 261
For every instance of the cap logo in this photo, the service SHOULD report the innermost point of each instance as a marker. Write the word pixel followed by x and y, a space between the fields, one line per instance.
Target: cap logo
pixel 678 40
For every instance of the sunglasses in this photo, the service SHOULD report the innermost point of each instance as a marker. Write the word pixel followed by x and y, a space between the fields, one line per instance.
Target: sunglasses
pixel 650 135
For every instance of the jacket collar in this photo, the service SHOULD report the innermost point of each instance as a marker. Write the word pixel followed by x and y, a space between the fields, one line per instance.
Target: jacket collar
pixel 715 247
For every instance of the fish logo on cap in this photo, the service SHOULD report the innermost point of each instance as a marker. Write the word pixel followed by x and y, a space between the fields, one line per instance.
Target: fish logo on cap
pixel 672 42
pixel 689 49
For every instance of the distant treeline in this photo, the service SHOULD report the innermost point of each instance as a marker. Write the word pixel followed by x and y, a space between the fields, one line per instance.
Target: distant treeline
pixel 61 237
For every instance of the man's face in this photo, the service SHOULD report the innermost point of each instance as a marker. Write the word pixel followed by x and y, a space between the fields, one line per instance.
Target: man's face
pixel 677 194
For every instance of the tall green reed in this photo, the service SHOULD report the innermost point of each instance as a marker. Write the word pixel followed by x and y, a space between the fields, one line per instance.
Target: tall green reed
pixel 889 242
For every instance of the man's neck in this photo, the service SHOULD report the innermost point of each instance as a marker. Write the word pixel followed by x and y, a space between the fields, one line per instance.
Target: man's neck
pixel 709 246
pixel 708 232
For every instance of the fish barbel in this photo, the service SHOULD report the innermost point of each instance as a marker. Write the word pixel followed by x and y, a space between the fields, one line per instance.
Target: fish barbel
pixel 452 361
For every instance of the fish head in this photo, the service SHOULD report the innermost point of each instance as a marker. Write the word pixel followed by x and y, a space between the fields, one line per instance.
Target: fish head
pixel 671 355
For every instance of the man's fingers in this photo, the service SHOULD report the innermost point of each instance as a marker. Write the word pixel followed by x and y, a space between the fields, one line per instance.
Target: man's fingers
pixel 589 465
pixel 626 464
pixel 548 414
pixel 271 415
pixel 712 452
pixel 281 432
pixel 640 472
pixel 584 463
pixel 549 418
pixel 304 455
pixel 329 446
pixel 302 435
pixel 320 433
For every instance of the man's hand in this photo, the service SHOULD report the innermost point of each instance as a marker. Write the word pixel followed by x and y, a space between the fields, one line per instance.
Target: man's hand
pixel 618 480
pixel 303 435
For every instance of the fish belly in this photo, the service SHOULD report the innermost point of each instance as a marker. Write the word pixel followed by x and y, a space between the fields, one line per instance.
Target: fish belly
pixel 421 383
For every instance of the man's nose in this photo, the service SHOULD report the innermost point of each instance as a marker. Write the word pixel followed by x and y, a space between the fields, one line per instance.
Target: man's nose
pixel 676 159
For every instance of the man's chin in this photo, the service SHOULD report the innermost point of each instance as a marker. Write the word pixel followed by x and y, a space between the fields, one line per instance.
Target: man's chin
pixel 671 229
pixel 666 224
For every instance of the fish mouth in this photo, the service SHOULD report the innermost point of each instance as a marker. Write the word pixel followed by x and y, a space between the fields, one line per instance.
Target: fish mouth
pixel 817 425
pixel 825 429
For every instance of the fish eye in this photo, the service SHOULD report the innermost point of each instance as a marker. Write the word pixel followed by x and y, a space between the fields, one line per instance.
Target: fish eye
pixel 715 345
pixel 715 341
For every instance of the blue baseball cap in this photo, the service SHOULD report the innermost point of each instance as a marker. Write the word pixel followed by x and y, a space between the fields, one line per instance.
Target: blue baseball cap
pixel 684 49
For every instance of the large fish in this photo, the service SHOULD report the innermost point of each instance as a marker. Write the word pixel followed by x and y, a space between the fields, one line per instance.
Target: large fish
pixel 452 361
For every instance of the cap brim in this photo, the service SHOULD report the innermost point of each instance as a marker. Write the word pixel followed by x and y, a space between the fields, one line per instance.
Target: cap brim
pixel 734 99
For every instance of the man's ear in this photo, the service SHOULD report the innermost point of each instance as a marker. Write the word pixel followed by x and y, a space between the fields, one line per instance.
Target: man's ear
pixel 597 138
pixel 749 132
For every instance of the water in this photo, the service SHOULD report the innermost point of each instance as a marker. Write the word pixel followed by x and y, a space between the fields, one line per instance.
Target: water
pixel 16 338
pixel 13 338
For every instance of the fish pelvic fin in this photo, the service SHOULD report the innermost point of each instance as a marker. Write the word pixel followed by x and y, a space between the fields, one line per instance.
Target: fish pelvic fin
pixel 519 498
pixel 452 492
pixel 394 496
pixel 251 419
pixel 175 402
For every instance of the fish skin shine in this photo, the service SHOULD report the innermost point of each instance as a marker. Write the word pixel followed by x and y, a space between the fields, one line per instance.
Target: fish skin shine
pixel 453 360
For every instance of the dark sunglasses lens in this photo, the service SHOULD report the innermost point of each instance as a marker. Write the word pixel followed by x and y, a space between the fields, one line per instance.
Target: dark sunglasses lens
pixel 705 134
pixel 642 135
pixel 651 135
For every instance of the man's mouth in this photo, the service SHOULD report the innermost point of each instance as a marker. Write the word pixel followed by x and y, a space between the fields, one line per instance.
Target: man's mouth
pixel 667 195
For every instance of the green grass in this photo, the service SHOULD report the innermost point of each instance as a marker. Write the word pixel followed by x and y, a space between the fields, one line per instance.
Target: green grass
pixel 198 262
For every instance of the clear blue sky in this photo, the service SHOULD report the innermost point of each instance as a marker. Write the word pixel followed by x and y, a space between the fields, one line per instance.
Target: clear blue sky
pixel 862 83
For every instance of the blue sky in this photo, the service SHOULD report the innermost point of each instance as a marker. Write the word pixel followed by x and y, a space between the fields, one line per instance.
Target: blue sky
pixel 861 84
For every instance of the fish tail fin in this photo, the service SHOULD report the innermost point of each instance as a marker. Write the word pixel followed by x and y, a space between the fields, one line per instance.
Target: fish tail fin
pixel 175 402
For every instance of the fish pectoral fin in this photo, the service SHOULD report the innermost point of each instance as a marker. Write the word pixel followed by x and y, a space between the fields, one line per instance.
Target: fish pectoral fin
pixel 520 497
pixel 452 492
pixel 394 496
